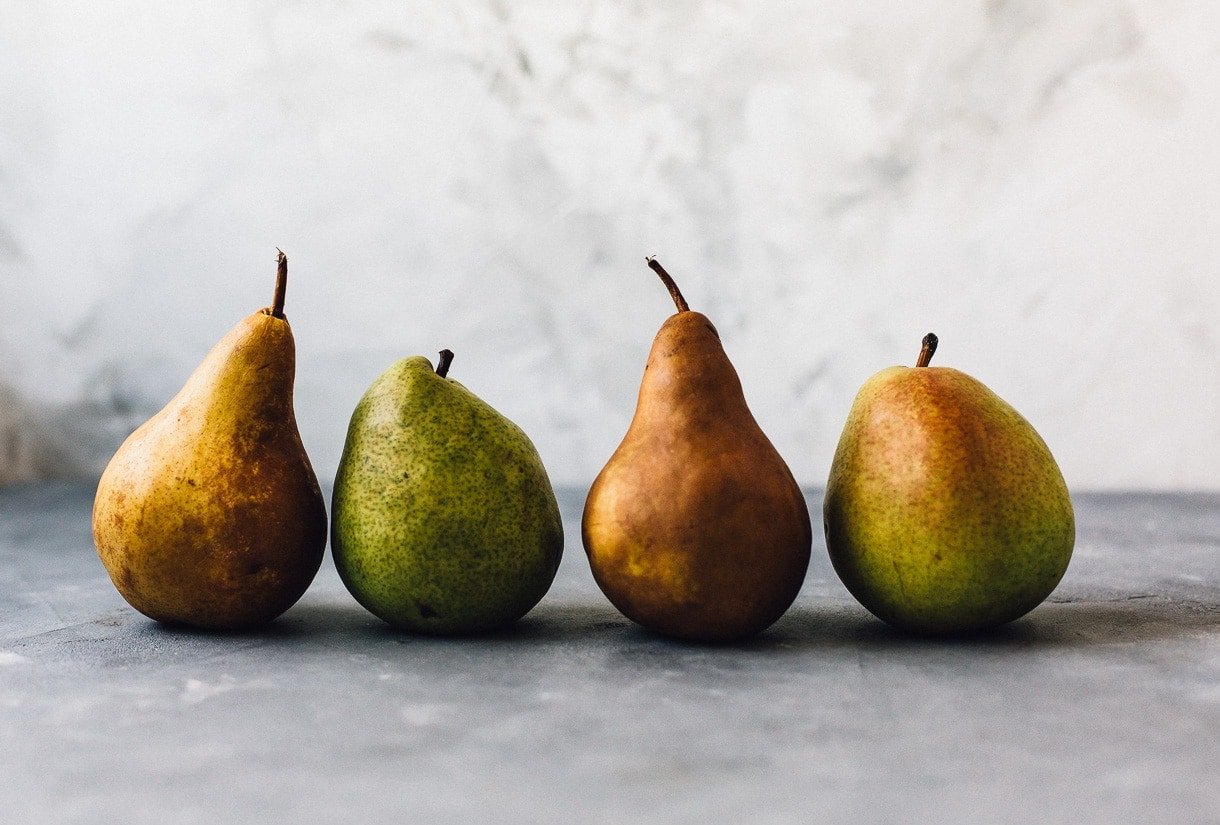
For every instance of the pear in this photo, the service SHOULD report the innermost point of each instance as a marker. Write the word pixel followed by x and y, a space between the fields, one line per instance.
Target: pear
pixel 695 528
pixel 209 514
pixel 945 511
pixel 444 518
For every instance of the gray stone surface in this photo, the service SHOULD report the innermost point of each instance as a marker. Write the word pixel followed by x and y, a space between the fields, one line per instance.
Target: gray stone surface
pixel 1101 706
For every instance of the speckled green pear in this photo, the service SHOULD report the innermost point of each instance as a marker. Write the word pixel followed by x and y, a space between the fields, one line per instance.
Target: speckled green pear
pixel 945 511
pixel 444 520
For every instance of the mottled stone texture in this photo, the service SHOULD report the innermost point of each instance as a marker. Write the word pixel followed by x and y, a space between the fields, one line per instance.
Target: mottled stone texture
pixel 1101 706
pixel 1033 180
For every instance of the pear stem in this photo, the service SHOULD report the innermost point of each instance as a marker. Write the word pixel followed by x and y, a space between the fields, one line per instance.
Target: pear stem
pixel 674 292
pixel 442 365
pixel 927 350
pixel 281 284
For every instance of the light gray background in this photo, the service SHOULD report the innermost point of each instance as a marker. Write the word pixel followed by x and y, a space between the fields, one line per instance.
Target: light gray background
pixel 1035 181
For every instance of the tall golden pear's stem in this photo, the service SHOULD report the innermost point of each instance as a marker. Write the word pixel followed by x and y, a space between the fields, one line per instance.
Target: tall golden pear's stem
pixel 674 292
pixel 442 364
pixel 927 350
pixel 281 284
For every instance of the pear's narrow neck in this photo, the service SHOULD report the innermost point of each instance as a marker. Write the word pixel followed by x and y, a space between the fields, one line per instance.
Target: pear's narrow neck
pixel 252 368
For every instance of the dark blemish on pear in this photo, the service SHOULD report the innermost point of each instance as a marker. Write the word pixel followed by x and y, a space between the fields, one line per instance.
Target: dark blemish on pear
pixel 426 610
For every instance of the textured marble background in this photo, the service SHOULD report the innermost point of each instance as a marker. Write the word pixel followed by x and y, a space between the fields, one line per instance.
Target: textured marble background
pixel 1035 181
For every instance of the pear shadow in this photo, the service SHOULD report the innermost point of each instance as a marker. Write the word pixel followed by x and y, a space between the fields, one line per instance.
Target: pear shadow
pixel 333 621
pixel 1074 624
pixel 302 621
pixel 548 623
pixel 805 628
pixel 323 619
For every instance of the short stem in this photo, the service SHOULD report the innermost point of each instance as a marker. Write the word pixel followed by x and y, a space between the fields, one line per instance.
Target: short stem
pixel 281 284
pixel 674 292
pixel 442 365
pixel 927 350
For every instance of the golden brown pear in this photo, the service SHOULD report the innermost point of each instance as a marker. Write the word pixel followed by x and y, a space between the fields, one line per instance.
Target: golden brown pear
pixel 210 514
pixel 695 528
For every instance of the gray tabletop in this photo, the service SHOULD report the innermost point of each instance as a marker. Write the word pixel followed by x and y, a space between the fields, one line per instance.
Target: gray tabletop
pixel 1103 705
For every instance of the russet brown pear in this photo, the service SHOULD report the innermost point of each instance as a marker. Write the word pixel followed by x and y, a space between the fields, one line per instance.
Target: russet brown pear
pixel 695 528
pixel 209 514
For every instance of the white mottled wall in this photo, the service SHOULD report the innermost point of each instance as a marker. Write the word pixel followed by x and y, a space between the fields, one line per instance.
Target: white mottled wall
pixel 1035 180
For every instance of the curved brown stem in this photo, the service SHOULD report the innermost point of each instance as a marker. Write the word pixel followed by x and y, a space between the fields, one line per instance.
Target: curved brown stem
pixel 674 292
pixel 442 364
pixel 281 284
pixel 927 350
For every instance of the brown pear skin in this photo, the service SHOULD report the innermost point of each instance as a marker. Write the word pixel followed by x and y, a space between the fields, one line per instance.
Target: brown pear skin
pixel 945 511
pixel 209 514
pixel 695 528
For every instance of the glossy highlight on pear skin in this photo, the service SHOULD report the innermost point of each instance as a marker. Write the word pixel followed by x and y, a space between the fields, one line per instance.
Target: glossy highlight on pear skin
pixel 695 528
pixel 945 511
pixel 209 514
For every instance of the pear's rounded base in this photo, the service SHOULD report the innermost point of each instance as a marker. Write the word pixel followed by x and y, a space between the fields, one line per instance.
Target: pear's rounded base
pixel 733 619
pixel 213 600
pixel 944 606
pixel 204 617
pixel 951 628
pixel 453 630
pixel 215 628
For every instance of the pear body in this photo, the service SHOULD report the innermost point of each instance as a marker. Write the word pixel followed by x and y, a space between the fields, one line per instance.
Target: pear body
pixel 209 514
pixel 695 528
pixel 444 520
pixel 945 511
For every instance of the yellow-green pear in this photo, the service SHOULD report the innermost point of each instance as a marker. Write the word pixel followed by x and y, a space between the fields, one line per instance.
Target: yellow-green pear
pixel 444 518
pixel 945 511
pixel 209 514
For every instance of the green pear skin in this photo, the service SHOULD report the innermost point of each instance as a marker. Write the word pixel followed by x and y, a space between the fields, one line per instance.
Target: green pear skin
pixel 945 511
pixel 443 518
